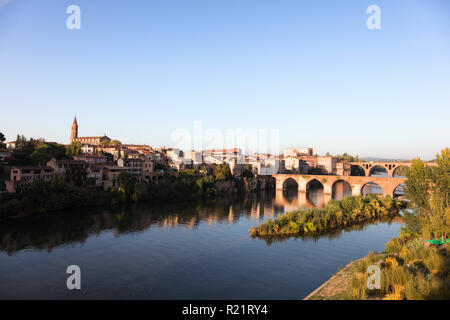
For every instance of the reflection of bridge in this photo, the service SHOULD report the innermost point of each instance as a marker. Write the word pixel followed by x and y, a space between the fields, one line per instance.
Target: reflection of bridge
pixel 388 185
pixel 298 201
pixel 390 167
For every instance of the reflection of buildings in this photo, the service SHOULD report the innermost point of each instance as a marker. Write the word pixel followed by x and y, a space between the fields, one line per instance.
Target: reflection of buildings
pixel 75 227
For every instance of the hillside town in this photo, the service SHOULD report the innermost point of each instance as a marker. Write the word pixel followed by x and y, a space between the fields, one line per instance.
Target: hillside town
pixel 103 159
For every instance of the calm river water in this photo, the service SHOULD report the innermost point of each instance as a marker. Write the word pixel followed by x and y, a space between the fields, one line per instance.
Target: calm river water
pixel 176 251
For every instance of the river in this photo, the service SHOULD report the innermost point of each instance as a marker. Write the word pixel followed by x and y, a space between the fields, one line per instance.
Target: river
pixel 176 251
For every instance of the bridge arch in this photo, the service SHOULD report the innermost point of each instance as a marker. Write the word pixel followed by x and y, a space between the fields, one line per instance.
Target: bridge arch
pixel 290 183
pixel 357 170
pixel 379 170
pixel 399 190
pixel 315 192
pixel 314 183
pixel 371 188
pixel 341 189
pixel 400 171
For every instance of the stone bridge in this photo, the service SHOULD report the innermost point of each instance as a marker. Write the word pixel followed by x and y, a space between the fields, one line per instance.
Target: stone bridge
pixel 390 167
pixel 388 185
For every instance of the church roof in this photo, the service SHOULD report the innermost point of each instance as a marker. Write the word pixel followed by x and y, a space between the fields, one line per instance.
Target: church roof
pixel 94 137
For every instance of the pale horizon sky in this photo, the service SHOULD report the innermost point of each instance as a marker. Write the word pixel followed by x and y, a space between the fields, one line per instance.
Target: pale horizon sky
pixel 140 70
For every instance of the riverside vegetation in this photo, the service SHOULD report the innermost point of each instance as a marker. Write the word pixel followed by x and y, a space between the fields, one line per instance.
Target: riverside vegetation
pixel 410 268
pixel 75 191
pixel 335 215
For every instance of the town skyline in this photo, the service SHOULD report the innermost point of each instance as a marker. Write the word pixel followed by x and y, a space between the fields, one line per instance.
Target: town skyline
pixel 74 133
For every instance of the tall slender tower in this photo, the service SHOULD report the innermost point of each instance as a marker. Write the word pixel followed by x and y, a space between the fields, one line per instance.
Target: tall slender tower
pixel 74 134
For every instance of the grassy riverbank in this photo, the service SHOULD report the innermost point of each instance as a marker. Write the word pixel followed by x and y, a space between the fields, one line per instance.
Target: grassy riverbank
pixel 411 268
pixel 335 215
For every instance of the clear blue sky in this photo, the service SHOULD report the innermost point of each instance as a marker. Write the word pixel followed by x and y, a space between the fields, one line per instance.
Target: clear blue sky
pixel 138 70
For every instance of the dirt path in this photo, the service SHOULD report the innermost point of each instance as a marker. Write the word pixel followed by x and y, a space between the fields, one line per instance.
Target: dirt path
pixel 336 286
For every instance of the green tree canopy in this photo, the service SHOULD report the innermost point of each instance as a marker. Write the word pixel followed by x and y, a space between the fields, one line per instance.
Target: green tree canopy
pixel 115 143
pixel 2 140
pixel 428 189
pixel 73 149
pixel 223 172
pixel 47 151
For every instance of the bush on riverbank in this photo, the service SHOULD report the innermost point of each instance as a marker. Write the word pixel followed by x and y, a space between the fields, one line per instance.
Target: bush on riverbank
pixel 413 270
pixel 409 270
pixel 43 197
pixel 337 214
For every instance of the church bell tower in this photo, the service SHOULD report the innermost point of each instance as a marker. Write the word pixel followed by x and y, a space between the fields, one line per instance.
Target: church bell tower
pixel 74 133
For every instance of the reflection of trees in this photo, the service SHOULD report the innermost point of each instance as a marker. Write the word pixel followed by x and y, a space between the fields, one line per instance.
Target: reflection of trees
pixel 48 231
pixel 45 232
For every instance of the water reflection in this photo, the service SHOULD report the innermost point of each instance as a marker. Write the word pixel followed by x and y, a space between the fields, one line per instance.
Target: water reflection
pixel 341 189
pixel 371 188
pixel 49 231
pixel 314 193
pixel 190 250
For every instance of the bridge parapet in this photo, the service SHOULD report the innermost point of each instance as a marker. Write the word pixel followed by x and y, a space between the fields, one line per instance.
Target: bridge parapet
pixel 389 166
pixel 357 183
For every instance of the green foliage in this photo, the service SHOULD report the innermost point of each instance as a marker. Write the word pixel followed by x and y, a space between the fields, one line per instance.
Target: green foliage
pixel 73 149
pixel 337 214
pixel 128 188
pixel 42 197
pixel 417 185
pixel 414 271
pixel 2 140
pixel 24 149
pixel 223 172
pixel 110 143
pixel 410 271
pixel 348 157
pixel 45 152
pixel 248 172
pixel 428 188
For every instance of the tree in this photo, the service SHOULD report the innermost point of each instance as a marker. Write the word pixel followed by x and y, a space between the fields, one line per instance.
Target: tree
pixel 248 172
pixel 428 189
pixel 47 151
pixel 115 143
pixel 223 172
pixel 23 150
pixel 27 146
pixel 127 186
pixel 2 140
pixel 73 149
pixel 418 184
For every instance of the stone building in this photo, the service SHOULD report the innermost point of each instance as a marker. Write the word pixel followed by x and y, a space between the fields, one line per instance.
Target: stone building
pixel 24 176
pixel 94 140
pixel 93 159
